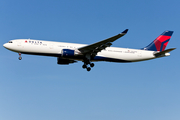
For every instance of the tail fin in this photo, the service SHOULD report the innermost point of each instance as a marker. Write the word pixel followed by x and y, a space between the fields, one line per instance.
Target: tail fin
pixel 160 43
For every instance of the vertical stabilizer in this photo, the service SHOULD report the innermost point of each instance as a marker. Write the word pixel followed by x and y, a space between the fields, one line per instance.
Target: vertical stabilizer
pixel 160 43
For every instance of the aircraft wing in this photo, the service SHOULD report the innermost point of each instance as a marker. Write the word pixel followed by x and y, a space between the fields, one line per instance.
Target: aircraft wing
pixel 93 49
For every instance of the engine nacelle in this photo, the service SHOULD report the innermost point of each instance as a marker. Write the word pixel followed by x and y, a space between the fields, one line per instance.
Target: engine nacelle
pixel 68 53
pixel 65 61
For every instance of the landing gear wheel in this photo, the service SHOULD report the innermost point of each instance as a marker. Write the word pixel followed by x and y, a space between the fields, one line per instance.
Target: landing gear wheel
pixel 84 66
pixel 20 58
pixel 87 61
pixel 92 64
pixel 88 69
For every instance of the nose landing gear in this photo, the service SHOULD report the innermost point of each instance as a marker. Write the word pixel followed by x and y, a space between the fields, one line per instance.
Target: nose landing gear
pixel 20 58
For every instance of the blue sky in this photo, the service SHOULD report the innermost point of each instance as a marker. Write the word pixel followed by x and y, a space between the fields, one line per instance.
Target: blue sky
pixel 37 88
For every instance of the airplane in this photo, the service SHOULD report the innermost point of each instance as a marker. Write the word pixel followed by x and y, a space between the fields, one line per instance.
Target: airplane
pixel 68 53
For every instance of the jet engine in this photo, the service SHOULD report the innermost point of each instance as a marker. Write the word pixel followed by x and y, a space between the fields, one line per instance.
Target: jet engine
pixel 65 61
pixel 68 53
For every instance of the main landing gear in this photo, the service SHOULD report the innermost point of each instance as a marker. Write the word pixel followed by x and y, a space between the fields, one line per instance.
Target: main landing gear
pixel 86 63
pixel 20 56
pixel 88 68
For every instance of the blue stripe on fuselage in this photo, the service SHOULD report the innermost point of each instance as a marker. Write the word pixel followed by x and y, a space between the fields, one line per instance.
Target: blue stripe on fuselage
pixel 96 58
pixel 99 58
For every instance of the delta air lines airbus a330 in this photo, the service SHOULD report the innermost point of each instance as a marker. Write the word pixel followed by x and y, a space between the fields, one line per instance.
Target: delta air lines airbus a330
pixel 68 53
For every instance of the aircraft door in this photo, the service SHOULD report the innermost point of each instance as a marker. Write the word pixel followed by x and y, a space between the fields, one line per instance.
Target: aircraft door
pixel 18 43
pixel 139 54
pixel 51 46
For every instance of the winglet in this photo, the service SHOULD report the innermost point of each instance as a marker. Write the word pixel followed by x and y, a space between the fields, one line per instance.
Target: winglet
pixel 101 44
pixel 125 31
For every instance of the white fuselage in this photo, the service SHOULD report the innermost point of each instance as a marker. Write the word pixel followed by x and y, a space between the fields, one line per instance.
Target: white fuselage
pixel 49 48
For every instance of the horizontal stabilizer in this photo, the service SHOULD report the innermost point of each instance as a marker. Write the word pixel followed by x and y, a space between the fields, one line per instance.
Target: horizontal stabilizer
pixel 163 53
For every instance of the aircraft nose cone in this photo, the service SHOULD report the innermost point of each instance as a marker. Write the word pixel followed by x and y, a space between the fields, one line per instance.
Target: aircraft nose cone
pixel 5 45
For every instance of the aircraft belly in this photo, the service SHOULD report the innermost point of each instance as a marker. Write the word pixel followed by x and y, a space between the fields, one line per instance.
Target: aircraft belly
pixel 125 56
pixel 111 57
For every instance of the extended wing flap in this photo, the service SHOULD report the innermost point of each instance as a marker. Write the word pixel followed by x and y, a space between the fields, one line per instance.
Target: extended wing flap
pixel 97 47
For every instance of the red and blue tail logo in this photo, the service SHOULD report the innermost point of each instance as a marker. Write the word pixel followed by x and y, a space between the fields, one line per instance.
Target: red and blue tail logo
pixel 160 43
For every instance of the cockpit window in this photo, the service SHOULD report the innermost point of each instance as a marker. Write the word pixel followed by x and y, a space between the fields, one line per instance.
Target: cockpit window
pixel 10 42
